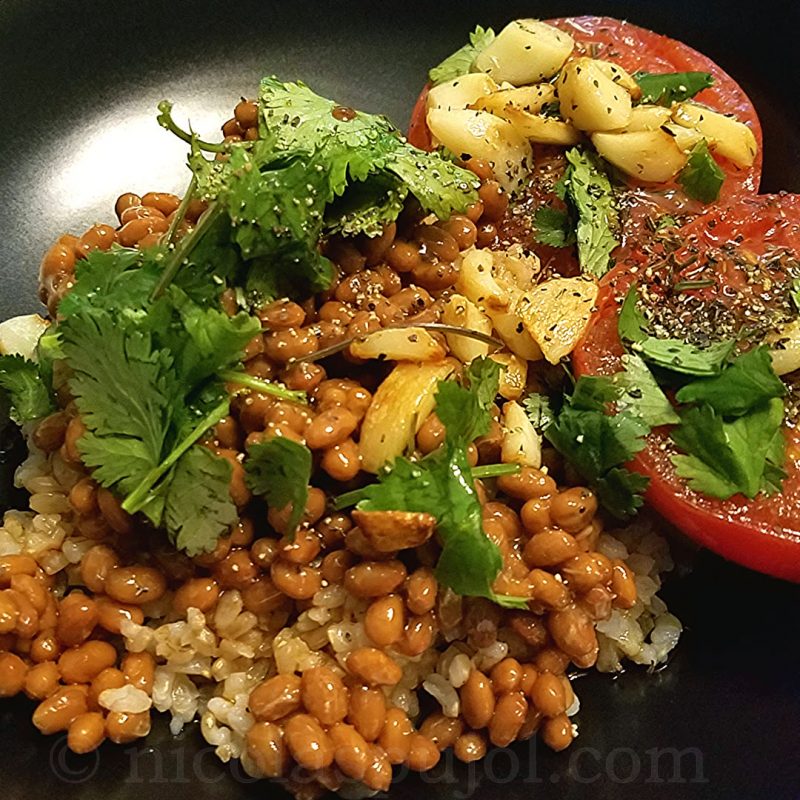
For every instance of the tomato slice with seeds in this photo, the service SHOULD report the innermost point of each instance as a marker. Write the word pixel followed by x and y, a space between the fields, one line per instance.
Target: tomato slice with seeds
pixel 759 236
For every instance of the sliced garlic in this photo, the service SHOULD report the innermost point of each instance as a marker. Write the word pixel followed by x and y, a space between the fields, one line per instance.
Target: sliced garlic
pixel 556 314
pixel 725 135
pixel 539 129
pixel 460 312
pixel 521 443
pixel 525 51
pixel 785 348
pixel 461 92
pixel 525 98
pixel 620 76
pixel 513 377
pixel 590 100
pixel 647 155
pixel 20 335
pixel 477 282
pixel 399 344
pixel 398 408
pixel 648 118
pixel 483 135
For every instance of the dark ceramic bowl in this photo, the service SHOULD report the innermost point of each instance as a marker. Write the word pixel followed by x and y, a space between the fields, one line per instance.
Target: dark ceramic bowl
pixel 79 82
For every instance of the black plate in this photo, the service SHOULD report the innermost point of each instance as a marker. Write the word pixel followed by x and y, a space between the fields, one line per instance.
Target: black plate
pixel 80 82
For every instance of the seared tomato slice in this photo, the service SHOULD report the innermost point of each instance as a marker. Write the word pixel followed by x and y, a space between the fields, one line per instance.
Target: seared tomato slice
pixel 638 49
pixel 635 49
pixel 744 248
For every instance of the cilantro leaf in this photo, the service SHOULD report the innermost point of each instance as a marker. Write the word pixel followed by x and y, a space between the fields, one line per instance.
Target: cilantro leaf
pixel 666 221
pixel 553 227
pixel 594 442
pixel 464 410
pixel 702 177
pixel 316 168
pixel 589 193
pixel 209 339
pixel 671 87
pixel 539 410
pixel 724 458
pixel 460 62
pixel 367 207
pixel 27 391
pixel 280 469
pixel 682 357
pixel 593 393
pixel 672 354
pixel 119 279
pixel 794 293
pixel 642 394
pixel 198 504
pixel 126 390
pixel 349 150
pixel 440 186
pixel 744 384
pixel 597 443
pixel 620 491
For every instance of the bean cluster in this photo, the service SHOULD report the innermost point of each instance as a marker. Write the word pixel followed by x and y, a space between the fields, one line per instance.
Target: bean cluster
pixel 63 649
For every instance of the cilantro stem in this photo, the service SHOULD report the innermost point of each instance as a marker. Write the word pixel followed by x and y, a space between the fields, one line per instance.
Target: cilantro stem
pixel 185 246
pixel 166 121
pixel 267 387
pixel 137 498
pixel 494 470
pixel 347 499
pixel 180 212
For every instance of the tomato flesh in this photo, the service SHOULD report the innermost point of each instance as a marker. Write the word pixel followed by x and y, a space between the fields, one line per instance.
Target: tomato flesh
pixel 763 533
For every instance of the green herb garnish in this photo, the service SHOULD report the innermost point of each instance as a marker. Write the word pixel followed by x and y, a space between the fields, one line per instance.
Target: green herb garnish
pixel 672 354
pixel 461 62
pixel 441 484
pixel 592 220
pixel 280 470
pixel 26 390
pixel 702 177
pixel 671 87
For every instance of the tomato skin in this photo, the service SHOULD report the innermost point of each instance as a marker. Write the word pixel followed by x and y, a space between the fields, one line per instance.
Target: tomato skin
pixel 763 533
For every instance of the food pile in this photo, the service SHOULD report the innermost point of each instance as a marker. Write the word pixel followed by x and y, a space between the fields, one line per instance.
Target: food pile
pixel 305 463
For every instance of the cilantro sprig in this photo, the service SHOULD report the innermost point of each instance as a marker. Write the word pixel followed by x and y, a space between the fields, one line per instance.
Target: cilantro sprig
pixel 460 62
pixel 318 168
pixel 671 87
pixel 702 177
pixel 144 375
pixel 280 470
pixel 24 387
pixel 672 354
pixel 729 422
pixel 591 217
pixel 598 441
pixel 724 457
pixel 441 484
